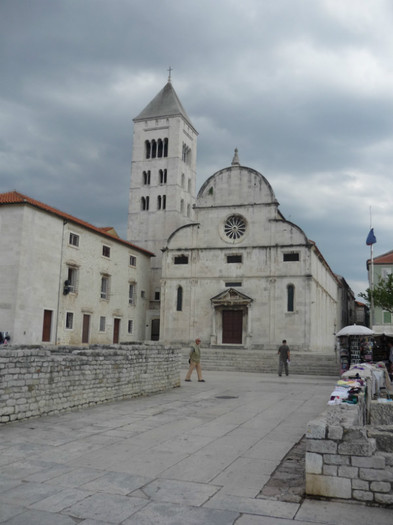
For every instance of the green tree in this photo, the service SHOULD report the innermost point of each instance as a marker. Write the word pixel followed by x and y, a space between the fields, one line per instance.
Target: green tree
pixel 382 294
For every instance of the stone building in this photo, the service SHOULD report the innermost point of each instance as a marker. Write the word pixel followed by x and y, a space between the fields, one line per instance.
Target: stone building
pixel 64 281
pixel 242 275
pixel 228 268
pixel 162 190
pixel 382 267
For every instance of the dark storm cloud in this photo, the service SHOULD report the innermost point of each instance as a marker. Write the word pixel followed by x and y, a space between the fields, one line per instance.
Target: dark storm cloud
pixel 302 88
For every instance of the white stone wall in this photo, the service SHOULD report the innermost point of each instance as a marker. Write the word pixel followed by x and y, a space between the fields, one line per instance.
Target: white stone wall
pixel 92 265
pixel 29 271
pixel 150 229
pixel 35 268
pixel 263 274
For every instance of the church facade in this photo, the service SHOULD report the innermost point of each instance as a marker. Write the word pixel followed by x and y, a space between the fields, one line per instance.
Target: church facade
pixel 229 268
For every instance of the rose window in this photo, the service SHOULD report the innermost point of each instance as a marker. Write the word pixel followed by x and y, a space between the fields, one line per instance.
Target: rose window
pixel 235 227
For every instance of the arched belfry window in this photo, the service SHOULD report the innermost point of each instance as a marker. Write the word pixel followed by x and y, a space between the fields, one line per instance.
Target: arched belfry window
pixel 153 149
pixel 146 177
pixel 147 149
pixel 165 147
pixel 179 299
pixel 290 298
pixel 162 176
pixel 186 154
pixel 144 203
pixel 159 148
pixel 159 202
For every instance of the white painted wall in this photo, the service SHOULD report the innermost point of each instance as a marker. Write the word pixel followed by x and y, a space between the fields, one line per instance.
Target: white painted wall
pixel 35 267
pixel 263 274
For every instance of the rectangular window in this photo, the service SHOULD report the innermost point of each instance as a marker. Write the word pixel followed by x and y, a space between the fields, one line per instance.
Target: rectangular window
pixel 234 258
pixel 130 326
pixel 387 317
pixel 105 287
pixel 181 259
pixel 143 294
pixel 72 278
pixel 106 251
pixel 74 239
pixel 132 260
pixel 102 324
pixel 131 294
pixel 290 298
pixel 233 284
pixel 156 295
pixel 292 256
pixel 69 323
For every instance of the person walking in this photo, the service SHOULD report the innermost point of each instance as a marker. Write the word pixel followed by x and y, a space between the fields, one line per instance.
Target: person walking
pixel 284 358
pixel 195 361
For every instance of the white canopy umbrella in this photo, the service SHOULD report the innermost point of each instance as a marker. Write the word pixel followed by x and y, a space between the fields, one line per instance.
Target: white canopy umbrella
pixel 354 329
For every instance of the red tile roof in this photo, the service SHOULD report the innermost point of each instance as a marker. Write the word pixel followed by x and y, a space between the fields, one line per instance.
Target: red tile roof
pixel 14 197
pixel 386 258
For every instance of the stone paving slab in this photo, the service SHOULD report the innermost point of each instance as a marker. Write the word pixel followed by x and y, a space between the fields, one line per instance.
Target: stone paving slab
pixel 199 454
pixel 61 500
pixel 110 508
pixel 337 513
pixel 170 514
pixel 182 492
pixel 27 493
pixel 36 517
pixel 258 507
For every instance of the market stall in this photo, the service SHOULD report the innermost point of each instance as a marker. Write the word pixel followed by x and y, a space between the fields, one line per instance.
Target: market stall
pixel 382 350
pixel 355 345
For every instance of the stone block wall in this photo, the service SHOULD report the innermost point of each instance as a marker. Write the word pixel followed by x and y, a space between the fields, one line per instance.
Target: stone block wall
pixel 47 380
pixel 347 459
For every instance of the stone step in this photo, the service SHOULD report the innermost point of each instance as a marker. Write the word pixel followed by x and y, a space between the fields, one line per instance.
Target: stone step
pixel 302 363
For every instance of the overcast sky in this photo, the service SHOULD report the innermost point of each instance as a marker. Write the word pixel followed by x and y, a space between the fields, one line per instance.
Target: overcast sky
pixel 303 88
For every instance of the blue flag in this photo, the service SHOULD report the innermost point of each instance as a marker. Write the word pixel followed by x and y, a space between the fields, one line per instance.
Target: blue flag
pixel 371 239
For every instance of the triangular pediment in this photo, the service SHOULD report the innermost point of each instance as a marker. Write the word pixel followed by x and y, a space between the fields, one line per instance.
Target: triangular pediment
pixel 231 297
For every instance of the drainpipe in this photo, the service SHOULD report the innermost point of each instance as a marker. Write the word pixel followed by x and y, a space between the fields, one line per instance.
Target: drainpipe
pixel 60 288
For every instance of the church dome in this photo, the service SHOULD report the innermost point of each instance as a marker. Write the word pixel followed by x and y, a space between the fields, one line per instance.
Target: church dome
pixel 236 185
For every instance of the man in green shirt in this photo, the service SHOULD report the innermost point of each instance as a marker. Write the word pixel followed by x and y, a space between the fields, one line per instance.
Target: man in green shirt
pixel 195 361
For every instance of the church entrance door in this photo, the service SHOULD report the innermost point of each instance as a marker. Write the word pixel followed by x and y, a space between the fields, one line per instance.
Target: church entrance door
pixel 232 326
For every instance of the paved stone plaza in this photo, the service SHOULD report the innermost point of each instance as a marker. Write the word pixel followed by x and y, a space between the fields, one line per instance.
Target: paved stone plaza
pixel 199 454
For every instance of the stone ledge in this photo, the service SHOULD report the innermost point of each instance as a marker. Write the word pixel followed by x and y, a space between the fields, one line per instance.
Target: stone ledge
pixel 329 486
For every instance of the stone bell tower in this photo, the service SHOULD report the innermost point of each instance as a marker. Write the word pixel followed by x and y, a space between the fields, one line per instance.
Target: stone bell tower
pixel 163 184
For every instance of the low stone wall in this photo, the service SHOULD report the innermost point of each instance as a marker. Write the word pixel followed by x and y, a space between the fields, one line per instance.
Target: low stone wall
pixel 347 459
pixel 47 380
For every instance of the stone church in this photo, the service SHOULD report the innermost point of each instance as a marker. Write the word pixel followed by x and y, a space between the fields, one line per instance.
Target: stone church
pixel 228 266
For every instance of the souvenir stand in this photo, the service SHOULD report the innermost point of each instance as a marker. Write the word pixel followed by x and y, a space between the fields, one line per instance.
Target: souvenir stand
pixel 381 352
pixel 355 344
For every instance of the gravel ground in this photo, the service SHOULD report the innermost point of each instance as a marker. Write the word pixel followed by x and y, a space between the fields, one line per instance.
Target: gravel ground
pixel 288 481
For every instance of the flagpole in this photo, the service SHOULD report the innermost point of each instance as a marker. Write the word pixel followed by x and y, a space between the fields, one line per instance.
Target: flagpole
pixel 372 278
pixel 372 287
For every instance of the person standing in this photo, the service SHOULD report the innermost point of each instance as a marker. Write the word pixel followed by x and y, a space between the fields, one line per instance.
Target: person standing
pixel 195 361
pixel 390 356
pixel 284 358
